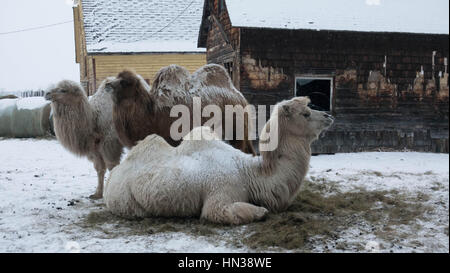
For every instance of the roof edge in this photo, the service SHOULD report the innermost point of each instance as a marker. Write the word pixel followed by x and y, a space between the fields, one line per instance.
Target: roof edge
pixel 204 26
pixel 340 30
pixel 146 53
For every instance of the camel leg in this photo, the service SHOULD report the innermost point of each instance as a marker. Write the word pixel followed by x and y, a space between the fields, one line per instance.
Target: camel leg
pixel 111 165
pixel 237 213
pixel 100 167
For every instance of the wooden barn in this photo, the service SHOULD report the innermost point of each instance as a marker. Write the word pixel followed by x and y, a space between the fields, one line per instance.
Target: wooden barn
pixel 144 35
pixel 380 67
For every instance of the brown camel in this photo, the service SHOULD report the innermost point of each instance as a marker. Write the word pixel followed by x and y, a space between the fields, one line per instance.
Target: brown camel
pixel 138 112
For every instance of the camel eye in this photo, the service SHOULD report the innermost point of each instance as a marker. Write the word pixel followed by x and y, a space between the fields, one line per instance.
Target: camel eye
pixel 63 91
pixel 306 115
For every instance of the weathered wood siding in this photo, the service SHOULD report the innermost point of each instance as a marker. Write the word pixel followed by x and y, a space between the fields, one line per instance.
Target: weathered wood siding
pixel 147 65
pixel 81 54
pixel 98 67
pixel 223 40
pixel 391 107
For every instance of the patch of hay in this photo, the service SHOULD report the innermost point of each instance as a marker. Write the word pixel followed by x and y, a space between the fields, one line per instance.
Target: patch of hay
pixel 315 213
pixel 312 214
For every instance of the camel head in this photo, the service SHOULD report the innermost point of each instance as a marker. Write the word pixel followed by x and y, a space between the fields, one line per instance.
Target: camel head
pixel 296 118
pixel 105 85
pixel 127 85
pixel 66 92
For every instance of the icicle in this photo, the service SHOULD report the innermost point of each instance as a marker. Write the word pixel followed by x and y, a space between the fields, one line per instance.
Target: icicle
pixel 433 63
pixel 445 64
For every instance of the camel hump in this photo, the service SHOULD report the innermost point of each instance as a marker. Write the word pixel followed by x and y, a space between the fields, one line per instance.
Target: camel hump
pixel 172 78
pixel 102 88
pixel 201 133
pixel 151 145
pixel 213 75
pixel 200 139
pixel 144 84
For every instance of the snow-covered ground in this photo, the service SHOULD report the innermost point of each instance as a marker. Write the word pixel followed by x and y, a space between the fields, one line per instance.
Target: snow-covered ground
pixel 44 205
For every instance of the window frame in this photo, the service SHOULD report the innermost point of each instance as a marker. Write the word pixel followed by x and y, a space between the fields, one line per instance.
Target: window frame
pixel 317 77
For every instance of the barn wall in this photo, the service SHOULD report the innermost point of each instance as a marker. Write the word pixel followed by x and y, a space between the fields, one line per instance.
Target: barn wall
pixel 80 47
pixel 375 106
pixel 146 65
pixel 223 41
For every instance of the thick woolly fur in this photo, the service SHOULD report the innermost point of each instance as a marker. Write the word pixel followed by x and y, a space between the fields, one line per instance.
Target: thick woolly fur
pixel 139 112
pixel 211 179
pixel 84 126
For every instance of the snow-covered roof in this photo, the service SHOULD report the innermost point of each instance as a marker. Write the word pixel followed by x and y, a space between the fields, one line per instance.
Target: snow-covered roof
pixel 410 16
pixel 118 26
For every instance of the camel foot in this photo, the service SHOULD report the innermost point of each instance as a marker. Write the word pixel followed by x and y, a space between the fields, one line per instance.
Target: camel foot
pixel 243 213
pixel 96 196
pixel 261 214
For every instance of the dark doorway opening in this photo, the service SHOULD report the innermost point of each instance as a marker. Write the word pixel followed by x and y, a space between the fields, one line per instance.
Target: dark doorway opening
pixel 319 90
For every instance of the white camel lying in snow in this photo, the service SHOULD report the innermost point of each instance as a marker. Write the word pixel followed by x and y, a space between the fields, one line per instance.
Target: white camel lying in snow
pixel 213 180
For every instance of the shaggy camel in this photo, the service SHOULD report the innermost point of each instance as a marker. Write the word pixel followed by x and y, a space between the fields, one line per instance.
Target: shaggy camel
pixel 211 179
pixel 138 113
pixel 84 126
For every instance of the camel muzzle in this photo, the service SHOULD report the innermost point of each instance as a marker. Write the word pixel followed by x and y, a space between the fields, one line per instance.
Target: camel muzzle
pixel 329 119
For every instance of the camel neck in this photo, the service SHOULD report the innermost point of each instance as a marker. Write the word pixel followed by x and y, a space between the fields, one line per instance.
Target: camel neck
pixel 74 125
pixel 73 112
pixel 133 119
pixel 280 173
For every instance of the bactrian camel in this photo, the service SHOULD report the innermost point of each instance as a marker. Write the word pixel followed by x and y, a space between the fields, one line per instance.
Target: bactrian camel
pixel 138 112
pixel 212 180
pixel 84 126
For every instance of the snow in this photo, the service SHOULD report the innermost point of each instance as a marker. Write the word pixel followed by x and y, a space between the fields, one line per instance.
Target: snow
pixel 115 26
pixel 352 15
pixel 385 162
pixel 405 170
pixel 38 179
pixel 411 173
pixel 7 103
pixel 24 103
pixel 31 103
pixel 7 106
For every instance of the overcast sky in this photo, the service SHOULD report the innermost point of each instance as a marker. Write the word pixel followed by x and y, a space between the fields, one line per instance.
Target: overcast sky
pixel 34 59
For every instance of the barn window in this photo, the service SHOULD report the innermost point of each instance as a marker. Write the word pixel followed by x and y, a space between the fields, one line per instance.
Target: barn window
pixel 318 89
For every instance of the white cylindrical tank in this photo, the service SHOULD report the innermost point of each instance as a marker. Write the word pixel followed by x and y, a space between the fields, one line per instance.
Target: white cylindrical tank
pixel 24 117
